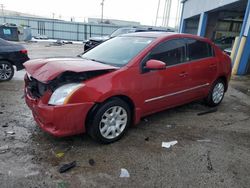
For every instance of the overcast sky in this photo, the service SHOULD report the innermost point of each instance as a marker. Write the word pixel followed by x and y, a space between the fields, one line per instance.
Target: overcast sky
pixel 143 11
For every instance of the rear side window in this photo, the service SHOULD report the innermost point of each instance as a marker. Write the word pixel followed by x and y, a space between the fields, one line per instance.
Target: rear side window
pixel 170 52
pixel 198 49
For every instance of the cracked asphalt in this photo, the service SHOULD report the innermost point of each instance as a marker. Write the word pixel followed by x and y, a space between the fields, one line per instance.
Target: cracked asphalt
pixel 213 150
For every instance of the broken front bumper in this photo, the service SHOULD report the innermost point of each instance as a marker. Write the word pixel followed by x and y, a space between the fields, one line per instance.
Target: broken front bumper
pixel 63 120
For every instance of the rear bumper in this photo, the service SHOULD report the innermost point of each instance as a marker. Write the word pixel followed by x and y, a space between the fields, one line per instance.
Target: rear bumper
pixel 20 61
pixel 63 120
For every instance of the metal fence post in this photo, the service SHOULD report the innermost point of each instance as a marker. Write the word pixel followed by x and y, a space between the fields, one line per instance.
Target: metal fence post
pixel 77 32
pixel 53 29
pixel 85 32
pixel 90 31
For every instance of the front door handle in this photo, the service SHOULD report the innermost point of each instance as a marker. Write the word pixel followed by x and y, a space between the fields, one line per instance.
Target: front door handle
pixel 183 74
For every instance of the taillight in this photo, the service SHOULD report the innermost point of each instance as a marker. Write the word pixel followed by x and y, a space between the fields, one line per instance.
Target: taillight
pixel 24 51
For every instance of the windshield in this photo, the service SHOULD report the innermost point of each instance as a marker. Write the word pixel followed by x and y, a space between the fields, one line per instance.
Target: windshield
pixel 121 31
pixel 117 51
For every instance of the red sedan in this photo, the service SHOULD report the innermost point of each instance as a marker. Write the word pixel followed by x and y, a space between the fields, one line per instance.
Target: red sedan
pixel 123 79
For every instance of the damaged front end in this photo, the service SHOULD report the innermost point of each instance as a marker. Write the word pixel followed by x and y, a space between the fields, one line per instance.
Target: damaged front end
pixel 53 92
pixel 37 89
pixel 49 102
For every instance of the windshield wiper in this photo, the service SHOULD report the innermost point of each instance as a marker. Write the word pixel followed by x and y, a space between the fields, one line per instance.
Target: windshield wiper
pixel 95 60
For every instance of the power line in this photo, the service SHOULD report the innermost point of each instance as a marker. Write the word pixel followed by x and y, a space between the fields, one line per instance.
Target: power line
pixel 159 2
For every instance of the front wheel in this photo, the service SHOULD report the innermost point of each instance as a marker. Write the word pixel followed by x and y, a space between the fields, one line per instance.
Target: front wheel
pixel 6 71
pixel 110 121
pixel 216 93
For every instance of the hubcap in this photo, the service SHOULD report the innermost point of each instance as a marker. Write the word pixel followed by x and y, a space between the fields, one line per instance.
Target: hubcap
pixel 218 92
pixel 113 122
pixel 5 71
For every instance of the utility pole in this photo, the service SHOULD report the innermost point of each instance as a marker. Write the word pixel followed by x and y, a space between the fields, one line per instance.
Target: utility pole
pixel 2 9
pixel 102 4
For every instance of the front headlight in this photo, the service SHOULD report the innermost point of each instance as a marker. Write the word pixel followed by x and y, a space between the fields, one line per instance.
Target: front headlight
pixel 63 93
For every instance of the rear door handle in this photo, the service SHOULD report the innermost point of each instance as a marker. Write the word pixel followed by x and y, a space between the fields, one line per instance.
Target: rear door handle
pixel 211 66
pixel 183 74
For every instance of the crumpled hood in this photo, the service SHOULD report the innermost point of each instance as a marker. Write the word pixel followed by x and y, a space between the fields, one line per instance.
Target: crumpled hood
pixel 45 70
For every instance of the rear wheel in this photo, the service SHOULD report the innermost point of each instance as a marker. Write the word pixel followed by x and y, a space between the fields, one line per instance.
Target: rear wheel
pixel 6 71
pixel 216 93
pixel 110 121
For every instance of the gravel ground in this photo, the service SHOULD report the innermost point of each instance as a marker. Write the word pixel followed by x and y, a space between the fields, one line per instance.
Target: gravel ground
pixel 213 150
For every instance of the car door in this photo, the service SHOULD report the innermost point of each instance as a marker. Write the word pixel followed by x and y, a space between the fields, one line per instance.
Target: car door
pixel 203 65
pixel 166 88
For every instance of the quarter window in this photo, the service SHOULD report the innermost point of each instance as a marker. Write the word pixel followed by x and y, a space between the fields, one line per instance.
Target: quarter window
pixel 198 49
pixel 170 52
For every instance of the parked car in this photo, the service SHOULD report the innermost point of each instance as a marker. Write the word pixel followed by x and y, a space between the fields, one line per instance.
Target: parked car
pixel 94 41
pixel 11 55
pixel 224 42
pixel 122 80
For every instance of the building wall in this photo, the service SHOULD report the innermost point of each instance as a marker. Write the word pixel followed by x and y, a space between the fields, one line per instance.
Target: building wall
pixel 57 29
pixel 195 7
pixel 212 27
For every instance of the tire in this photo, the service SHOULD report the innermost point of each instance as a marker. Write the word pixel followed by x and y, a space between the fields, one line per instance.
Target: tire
pixel 6 71
pixel 216 93
pixel 110 122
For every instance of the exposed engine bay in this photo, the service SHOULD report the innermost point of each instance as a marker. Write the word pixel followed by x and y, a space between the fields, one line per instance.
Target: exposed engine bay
pixel 37 88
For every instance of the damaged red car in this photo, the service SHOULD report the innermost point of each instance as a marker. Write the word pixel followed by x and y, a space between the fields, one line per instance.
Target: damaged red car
pixel 122 80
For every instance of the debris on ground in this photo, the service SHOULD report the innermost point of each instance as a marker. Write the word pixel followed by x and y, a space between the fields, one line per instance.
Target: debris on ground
pixel 146 139
pixel 66 167
pixel 35 173
pixel 168 144
pixel 5 125
pixel 209 162
pixel 63 184
pixel 58 43
pixel 145 120
pixel 170 126
pixel 1 112
pixel 59 155
pixel 208 111
pixel 10 132
pixel 204 140
pixel 124 173
pixel 67 42
pixel 91 162
pixel 4 149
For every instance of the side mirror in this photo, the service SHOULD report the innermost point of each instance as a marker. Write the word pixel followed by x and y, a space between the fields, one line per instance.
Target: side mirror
pixel 153 64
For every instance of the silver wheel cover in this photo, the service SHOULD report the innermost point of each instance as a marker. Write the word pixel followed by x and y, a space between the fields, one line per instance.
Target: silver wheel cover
pixel 113 122
pixel 218 92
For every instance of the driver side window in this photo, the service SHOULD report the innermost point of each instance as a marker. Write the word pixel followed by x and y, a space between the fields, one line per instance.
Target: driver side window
pixel 171 52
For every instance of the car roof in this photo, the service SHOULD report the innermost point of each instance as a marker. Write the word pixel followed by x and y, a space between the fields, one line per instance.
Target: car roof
pixel 158 35
pixel 152 34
